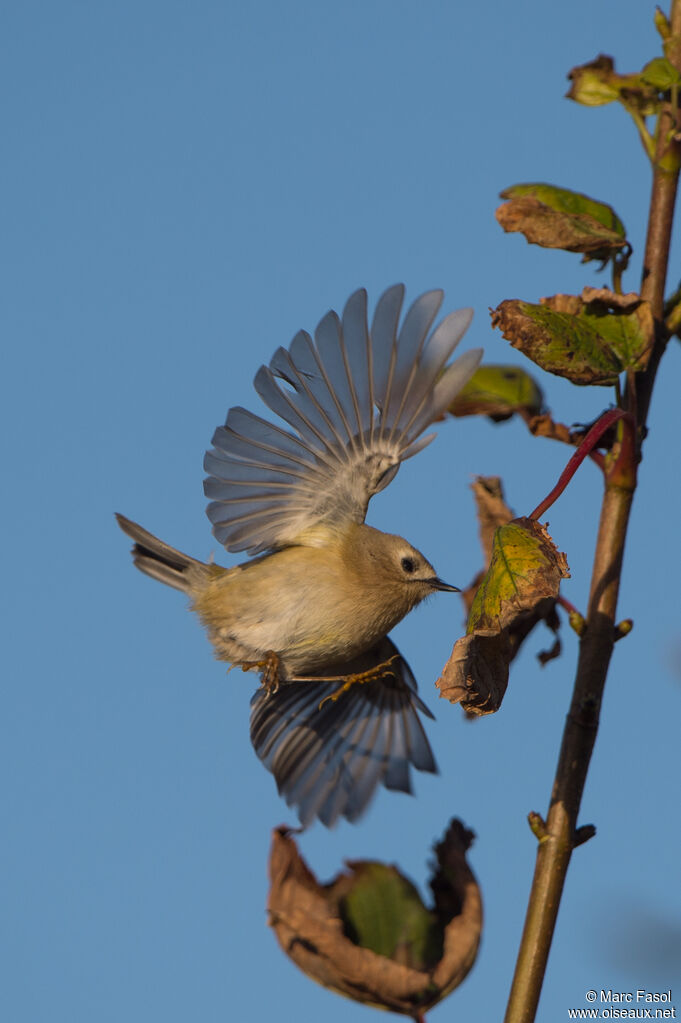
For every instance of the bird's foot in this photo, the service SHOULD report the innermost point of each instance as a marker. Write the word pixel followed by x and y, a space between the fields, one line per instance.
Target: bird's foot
pixel 269 668
pixel 359 678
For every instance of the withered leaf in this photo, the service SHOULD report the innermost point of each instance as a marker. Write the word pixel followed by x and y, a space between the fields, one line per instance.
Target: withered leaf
pixel 525 567
pixel 518 589
pixel 498 391
pixel 558 218
pixel 605 297
pixel 476 674
pixel 597 83
pixel 588 340
pixel 545 426
pixel 367 934
pixel 492 512
pixel 594 83
pixel 491 509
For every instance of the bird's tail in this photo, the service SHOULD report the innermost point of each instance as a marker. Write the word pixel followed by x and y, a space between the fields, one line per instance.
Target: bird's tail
pixel 329 756
pixel 161 561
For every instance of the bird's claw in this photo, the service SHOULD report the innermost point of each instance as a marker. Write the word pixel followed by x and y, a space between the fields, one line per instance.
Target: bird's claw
pixel 269 668
pixel 359 678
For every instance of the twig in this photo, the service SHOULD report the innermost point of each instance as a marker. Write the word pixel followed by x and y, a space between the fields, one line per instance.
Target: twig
pixel 601 426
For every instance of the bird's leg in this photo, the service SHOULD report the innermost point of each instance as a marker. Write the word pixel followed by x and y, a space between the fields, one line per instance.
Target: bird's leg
pixel 358 678
pixel 269 669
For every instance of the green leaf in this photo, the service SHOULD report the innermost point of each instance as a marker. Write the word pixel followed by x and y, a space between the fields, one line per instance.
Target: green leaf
pixel 660 74
pixel 588 340
pixel 558 218
pixel 662 23
pixel 498 392
pixel 383 911
pixel 518 589
pixel 525 568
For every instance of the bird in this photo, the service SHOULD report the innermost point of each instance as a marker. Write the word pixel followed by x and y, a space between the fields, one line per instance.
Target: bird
pixel 337 711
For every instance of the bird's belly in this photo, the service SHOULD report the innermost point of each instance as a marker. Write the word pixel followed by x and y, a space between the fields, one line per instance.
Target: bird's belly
pixel 300 604
pixel 305 641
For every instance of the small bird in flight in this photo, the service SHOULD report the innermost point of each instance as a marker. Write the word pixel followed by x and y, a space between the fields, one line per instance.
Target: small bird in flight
pixel 337 712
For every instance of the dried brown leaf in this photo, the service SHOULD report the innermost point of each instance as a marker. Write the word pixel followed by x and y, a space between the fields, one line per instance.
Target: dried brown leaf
pixel 611 299
pixel 597 83
pixel 476 674
pixel 311 926
pixel 517 591
pixel 544 426
pixel 491 508
pixel 554 230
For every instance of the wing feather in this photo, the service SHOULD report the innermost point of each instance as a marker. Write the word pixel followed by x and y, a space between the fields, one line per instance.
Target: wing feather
pixel 356 403
pixel 409 346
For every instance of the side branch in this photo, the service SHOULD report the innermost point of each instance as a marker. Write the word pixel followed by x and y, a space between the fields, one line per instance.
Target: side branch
pixel 587 446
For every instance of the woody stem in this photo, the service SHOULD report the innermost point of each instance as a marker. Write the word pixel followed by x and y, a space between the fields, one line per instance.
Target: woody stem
pixel 596 643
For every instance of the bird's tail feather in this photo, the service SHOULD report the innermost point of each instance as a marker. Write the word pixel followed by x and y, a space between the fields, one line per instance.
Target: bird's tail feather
pixel 161 561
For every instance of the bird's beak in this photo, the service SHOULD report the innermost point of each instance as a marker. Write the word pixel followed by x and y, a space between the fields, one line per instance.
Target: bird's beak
pixel 440 584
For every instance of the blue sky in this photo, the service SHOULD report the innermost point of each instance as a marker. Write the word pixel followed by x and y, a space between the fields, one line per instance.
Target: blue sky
pixel 186 186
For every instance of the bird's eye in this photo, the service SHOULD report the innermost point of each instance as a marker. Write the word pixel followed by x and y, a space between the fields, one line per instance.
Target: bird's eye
pixel 409 565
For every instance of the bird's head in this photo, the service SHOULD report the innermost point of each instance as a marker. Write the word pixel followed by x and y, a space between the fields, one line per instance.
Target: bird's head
pixel 390 568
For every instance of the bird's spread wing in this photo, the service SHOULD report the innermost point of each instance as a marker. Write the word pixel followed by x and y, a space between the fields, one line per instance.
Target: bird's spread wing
pixel 356 401
pixel 328 760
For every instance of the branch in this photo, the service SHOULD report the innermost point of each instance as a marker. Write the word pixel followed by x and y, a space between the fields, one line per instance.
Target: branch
pixel 555 849
pixel 660 220
pixel 560 834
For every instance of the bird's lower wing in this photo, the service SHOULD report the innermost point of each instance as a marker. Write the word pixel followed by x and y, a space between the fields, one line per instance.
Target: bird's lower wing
pixel 329 756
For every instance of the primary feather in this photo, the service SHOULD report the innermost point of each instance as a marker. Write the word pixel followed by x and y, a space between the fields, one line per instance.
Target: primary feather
pixel 357 402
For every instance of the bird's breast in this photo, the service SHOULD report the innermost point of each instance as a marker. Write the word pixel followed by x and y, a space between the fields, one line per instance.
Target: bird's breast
pixel 302 603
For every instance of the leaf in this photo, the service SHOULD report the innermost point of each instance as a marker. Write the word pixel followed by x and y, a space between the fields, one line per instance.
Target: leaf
pixel 558 218
pixel 662 24
pixel 588 340
pixel 525 568
pixel 660 74
pixel 597 83
pixel 593 84
pixel 491 509
pixel 476 674
pixel 564 200
pixel 498 392
pixel 492 512
pixel 518 589
pixel 383 911
pixel 367 934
